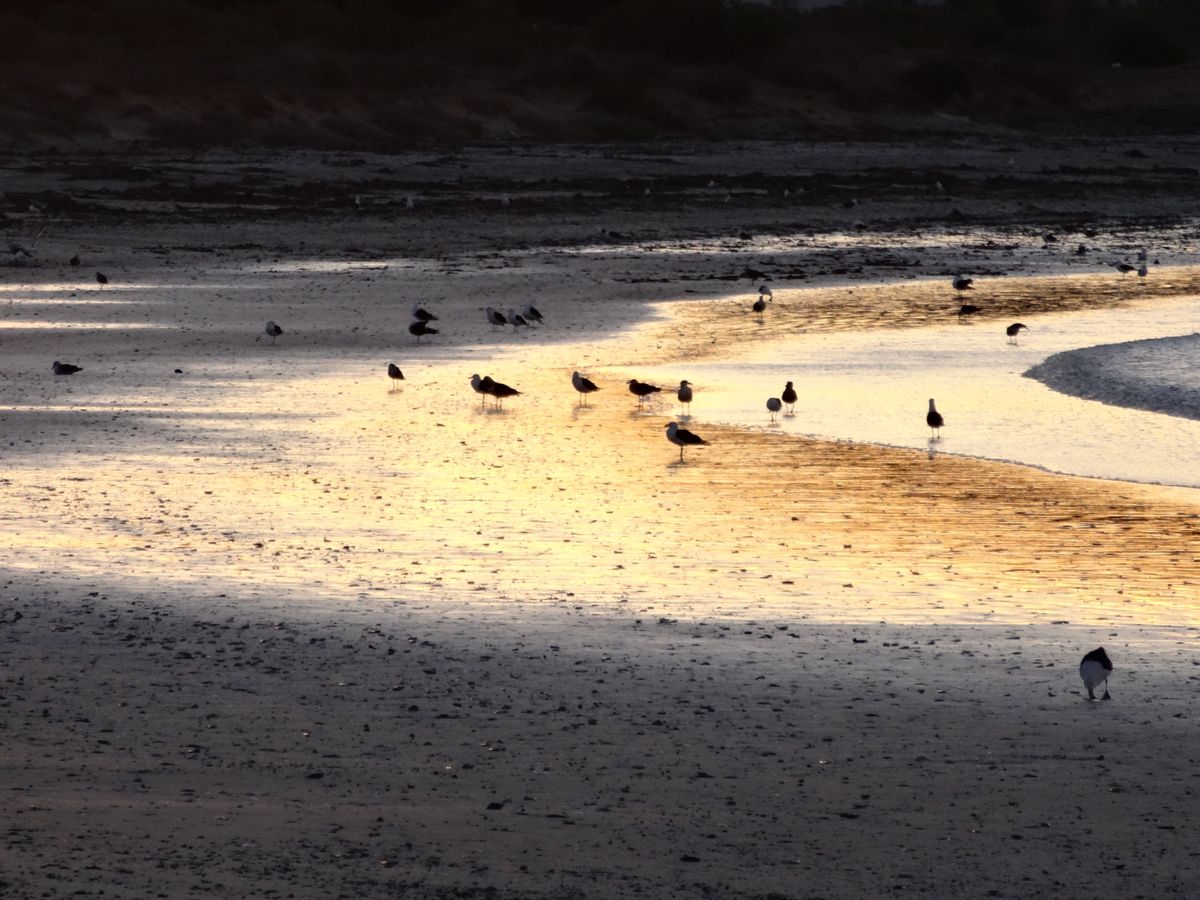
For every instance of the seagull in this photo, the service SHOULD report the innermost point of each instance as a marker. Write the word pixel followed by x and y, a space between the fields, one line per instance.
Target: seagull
pixel 774 405
pixel 273 331
pixel 101 278
pixel 641 390
pixel 1141 257
pixel 1094 670
pixel 418 328
pixel 685 394
pixel 934 420
pixel 962 283
pixel 1142 271
pixel 760 305
pixel 789 397
pixel 681 438
pixel 422 314
pixel 495 317
pixel 75 260
pixel 765 292
pixel 516 320
pixel 532 315
pixel 1124 268
pixel 480 386
pixel 499 390
pixel 61 368
pixel 967 309
pixel 583 385
pixel 395 374
pixel 1013 330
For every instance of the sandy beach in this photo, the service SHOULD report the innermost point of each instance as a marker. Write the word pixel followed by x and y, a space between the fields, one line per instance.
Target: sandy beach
pixel 274 626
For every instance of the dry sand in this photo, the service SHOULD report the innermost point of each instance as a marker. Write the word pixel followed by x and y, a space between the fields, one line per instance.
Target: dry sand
pixel 274 628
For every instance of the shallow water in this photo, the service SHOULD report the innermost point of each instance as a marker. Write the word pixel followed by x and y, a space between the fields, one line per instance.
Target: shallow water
pixel 874 386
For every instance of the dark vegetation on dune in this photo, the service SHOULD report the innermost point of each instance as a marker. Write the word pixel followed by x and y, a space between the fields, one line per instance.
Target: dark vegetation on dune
pixel 382 73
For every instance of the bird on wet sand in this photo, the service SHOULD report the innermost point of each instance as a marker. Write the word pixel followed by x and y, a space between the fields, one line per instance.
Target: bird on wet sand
pixel 1094 670
pixel 583 385
pixel 774 405
pixel 421 314
pixel 75 260
pixel 681 438
pixel 967 309
pixel 495 317
pixel 480 386
pixel 764 297
pixel 962 283
pixel 789 398
pixel 499 390
pixel 1013 330
pixel 272 331
pixel 418 329
pixel 685 394
pixel 101 279
pixel 1124 268
pixel 532 316
pixel 1142 271
pixel 641 390
pixel 934 420
pixel 516 320
pixel 62 368
pixel 394 374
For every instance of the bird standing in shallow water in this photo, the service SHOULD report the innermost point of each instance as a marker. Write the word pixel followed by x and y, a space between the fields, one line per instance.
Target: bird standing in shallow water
pixel 774 405
pixel 764 297
pixel 789 397
pixel 583 385
pixel 681 438
pixel 395 374
pixel 934 420
pixel 685 395
pixel 1094 670
pixel 1013 330
pixel 273 331
pixel 61 368
pixel 641 390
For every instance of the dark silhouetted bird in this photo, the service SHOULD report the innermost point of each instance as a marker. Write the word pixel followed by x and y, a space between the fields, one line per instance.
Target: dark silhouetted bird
pixel 583 385
pixel 962 283
pixel 421 314
pixel 967 309
pixel 394 374
pixel 934 420
pixel 1124 268
pixel 774 405
pixel 516 320
pixel 75 260
pixel 681 438
pixel 273 331
pixel 61 368
pixel 499 390
pixel 101 278
pixel 789 397
pixel 1094 670
pixel 418 329
pixel 641 390
pixel 532 315
pixel 685 394
pixel 495 317
pixel 1013 330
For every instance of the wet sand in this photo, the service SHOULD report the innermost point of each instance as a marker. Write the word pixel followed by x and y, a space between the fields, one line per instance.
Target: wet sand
pixel 272 627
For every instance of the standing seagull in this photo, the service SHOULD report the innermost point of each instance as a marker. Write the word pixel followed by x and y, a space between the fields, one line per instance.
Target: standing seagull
pixel 774 405
pixel 480 386
pixel 516 320
pixel 395 374
pixel 1094 670
pixel 495 317
pixel 419 328
pixel 764 297
pixel 1013 330
pixel 1124 268
pixel 641 390
pixel 934 420
pixel 962 283
pixel 967 309
pixel 421 314
pixel 789 397
pixel 499 390
pixel 583 385
pixel 685 395
pixel 1142 271
pixel 101 279
pixel 681 438
pixel 61 368
pixel 273 331
pixel 532 315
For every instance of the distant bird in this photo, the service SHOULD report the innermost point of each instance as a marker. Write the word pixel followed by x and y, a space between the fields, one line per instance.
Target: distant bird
pixel 418 329
pixel 774 405
pixel 273 331
pixel 480 386
pixel 934 420
pixel 583 385
pixel 641 390
pixel 1094 670
pixel 499 390
pixel 496 318
pixel 1124 268
pixel 1142 271
pixel 75 260
pixel 789 397
pixel 962 283
pixel 421 314
pixel 681 438
pixel 760 305
pixel 685 394
pixel 1141 257
pixel 967 309
pixel 101 278
pixel 395 374
pixel 516 320
pixel 532 316
pixel 61 368
pixel 1081 250
pixel 1013 330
